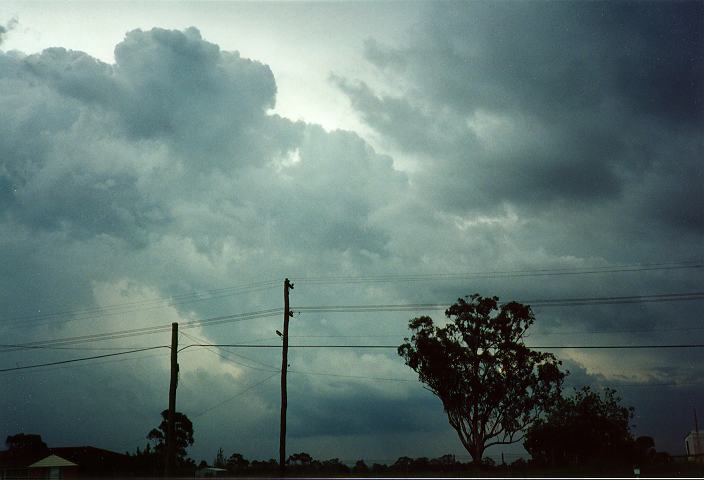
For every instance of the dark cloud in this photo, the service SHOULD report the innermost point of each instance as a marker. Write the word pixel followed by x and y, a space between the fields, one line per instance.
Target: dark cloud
pixel 564 131
pixel 171 78
pixel 365 412
pixel 554 58
pixel 163 171
pixel 381 56
pixel 11 24
pixel 539 103
pixel 166 173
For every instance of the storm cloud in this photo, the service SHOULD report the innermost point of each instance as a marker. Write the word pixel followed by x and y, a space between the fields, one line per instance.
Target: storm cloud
pixel 510 136
pixel 542 105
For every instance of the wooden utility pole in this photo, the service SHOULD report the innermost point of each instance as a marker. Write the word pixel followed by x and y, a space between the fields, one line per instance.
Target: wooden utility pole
pixel 171 418
pixel 284 367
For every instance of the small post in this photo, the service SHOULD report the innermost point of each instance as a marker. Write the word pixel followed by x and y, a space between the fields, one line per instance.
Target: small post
pixel 284 367
pixel 171 418
pixel 697 440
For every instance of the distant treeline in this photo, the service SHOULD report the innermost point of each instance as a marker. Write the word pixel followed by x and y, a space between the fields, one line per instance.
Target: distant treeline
pixel 304 464
pixel 148 462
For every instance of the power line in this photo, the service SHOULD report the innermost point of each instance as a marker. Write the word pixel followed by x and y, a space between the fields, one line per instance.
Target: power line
pixel 146 304
pixel 399 335
pixel 300 372
pixel 326 374
pixel 81 359
pixel 229 399
pixel 550 347
pixel 615 347
pixel 237 317
pixel 364 377
pixel 275 372
pixel 537 333
pixel 600 332
pixel 669 297
pixel 63 366
pixel 130 307
pixel 401 307
pixel 342 375
pixel 268 368
pixel 84 365
pixel 44 347
pixel 626 297
pixel 386 278
pixel 646 385
pixel 151 300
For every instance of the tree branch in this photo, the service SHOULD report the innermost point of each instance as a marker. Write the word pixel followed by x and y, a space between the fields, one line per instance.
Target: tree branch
pixel 505 442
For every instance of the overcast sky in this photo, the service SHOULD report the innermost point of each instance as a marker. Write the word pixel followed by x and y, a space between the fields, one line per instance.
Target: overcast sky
pixel 152 150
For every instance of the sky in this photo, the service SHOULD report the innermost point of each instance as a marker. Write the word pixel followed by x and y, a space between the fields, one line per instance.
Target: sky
pixel 174 162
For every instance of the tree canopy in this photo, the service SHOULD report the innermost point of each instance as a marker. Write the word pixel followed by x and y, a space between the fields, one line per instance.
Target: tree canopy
pixel 491 385
pixel 25 442
pixel 299 459
pixel 183 434
pixel 236 463
pixel 585 427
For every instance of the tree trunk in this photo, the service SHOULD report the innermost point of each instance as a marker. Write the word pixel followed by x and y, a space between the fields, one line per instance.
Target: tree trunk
pixel 477 453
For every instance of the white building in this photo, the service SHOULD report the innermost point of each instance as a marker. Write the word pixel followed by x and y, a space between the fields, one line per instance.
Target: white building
pixel 694 446
pixel 211 472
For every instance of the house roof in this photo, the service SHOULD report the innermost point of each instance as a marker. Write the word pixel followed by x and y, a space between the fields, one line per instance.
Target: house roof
pixel 76 453
pixel 85 457
pixel 52 461
pixel 92 458
pixel 10 459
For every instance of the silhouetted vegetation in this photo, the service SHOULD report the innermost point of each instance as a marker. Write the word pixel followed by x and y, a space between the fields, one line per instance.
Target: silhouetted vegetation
pixel 183 430
pixel 21 442
pixel 148 463
pixel 303 464
pixel 23 448
pixel 151 460
pixel 584 428
pixel 644 448
pixel 491 385
pixel 237 464
pixel 494 389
